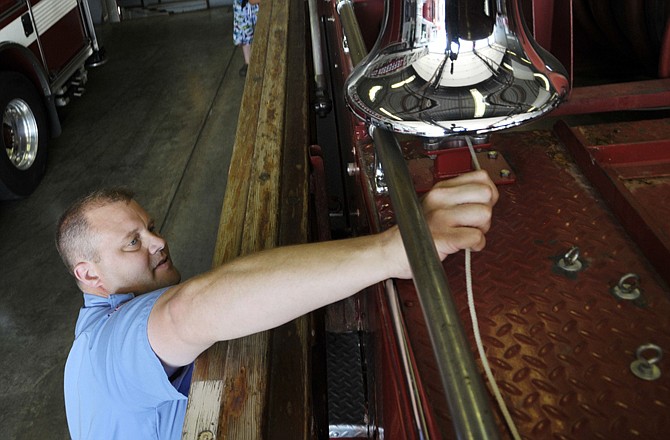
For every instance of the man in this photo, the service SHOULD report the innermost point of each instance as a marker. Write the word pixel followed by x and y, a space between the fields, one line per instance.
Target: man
pixel 140 330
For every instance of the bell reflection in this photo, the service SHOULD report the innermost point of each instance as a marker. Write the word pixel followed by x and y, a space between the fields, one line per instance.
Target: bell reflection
pixel 443 67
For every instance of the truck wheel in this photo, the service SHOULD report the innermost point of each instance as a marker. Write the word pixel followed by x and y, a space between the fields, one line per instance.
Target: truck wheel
pixel 23 144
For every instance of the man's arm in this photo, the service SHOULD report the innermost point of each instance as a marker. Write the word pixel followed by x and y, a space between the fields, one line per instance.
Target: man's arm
pixel 269 288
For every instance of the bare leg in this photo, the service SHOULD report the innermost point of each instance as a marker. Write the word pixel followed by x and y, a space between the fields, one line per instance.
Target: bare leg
pixel 246 50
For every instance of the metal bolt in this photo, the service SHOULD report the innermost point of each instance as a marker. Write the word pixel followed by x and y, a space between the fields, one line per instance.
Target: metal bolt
pixel 353 169
pixel 206 435
pixel 570 260
pixel 646 368
pixel 628 287
pixel 431 143
pixel 493 154
pixel 505 172
pixel 380 181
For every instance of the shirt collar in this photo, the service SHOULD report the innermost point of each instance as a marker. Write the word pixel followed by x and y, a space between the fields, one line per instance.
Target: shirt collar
pixel 113 301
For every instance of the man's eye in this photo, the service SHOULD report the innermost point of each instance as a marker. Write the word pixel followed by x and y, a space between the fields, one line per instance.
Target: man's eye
pixel 133 242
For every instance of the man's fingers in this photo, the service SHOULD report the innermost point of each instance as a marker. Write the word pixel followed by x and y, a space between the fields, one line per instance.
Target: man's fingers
pixel 447 193
pixel 471 215
pixel 479 176
pixel 459 239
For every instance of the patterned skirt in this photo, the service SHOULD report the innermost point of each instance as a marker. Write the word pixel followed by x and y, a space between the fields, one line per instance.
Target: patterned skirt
pixel 244 22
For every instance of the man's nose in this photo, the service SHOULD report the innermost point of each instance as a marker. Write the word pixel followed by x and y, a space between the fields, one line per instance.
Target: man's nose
pixel 156 243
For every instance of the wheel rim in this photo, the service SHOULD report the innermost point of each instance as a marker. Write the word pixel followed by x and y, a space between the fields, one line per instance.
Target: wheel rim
pixel 19 131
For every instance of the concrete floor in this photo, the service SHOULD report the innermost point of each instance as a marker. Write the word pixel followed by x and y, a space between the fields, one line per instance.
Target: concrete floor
pixel 160 118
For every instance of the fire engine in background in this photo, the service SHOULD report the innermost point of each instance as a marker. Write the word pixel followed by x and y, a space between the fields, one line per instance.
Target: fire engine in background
pixel 45 48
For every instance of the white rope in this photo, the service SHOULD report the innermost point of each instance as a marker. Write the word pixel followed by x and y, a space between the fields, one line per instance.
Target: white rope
pixel 475 326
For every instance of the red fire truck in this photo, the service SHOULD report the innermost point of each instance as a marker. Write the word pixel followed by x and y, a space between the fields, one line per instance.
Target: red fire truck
pixel 45 48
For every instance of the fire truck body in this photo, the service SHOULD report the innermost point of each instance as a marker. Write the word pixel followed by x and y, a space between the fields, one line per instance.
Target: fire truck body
pixel 44 48
pixel 564 345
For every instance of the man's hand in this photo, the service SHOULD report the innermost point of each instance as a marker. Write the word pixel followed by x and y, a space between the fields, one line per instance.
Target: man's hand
pixel 458 212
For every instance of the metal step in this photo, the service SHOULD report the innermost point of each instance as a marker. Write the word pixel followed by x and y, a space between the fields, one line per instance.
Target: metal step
pixel 346 386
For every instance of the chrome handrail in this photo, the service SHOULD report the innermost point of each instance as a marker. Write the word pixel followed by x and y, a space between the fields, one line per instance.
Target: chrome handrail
pixel 464 388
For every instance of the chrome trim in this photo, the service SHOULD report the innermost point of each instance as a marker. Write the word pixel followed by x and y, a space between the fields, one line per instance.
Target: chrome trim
pixel 75 64
pixel 348 431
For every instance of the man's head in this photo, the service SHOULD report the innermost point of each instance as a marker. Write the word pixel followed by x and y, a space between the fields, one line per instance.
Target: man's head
pixel 108 242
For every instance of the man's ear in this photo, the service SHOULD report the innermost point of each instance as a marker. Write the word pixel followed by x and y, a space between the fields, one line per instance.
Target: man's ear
pixel 87 275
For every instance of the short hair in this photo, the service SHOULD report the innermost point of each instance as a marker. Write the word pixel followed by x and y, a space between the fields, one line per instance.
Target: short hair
pixel 74 239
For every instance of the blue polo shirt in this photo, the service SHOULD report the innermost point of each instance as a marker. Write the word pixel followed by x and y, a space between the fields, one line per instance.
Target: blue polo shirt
pixel 115 385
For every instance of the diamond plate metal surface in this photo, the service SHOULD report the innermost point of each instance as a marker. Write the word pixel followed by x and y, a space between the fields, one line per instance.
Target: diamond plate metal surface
pixel 560 345
pixel 346 391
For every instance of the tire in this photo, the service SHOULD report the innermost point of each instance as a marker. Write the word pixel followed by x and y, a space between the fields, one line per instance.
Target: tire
pixel 24 137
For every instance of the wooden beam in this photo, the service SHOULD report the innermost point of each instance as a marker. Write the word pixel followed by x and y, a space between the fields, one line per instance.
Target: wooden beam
pixel 265 205
pixel 290 398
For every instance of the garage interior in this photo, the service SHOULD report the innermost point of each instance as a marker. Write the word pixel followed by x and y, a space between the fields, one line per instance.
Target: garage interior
pixel 160 117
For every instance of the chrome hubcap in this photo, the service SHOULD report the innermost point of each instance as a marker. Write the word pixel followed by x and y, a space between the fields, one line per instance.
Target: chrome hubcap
pixel 19 131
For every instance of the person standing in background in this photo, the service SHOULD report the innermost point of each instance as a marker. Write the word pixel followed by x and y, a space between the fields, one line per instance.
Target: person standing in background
pixel 245 13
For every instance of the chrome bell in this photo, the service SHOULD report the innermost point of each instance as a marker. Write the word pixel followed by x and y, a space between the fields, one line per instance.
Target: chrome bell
pixel 454 67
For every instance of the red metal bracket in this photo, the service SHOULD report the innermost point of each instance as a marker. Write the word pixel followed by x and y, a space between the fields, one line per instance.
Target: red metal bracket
pixel 451 162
